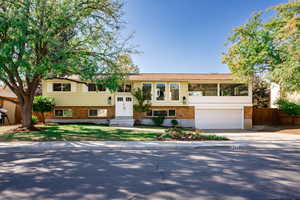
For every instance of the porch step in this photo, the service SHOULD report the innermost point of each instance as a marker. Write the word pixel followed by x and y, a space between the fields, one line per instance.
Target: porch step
pixel 122 122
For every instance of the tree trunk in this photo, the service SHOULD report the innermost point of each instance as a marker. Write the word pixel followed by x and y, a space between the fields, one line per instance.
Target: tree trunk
pixel 26 109
pixel 43 117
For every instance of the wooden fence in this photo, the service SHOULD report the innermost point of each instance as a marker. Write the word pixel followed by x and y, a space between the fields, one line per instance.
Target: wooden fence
pixel 272 116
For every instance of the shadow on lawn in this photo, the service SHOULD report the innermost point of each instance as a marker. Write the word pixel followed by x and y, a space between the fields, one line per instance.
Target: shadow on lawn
pixel 150 175
pixel 80 133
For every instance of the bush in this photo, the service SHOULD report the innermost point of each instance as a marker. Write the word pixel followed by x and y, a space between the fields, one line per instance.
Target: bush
pixel 174 122
pixel 288 107
pixel 34 119
pixel 43 104
pixel 158 121
pixel 179 134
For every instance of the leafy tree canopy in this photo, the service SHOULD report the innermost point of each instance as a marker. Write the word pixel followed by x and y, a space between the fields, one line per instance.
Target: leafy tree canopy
pixel 42 39
pixel 270 48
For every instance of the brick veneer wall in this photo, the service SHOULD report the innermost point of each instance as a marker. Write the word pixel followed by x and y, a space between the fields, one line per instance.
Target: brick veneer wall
pixel 182 112
pixel 81 112
pixel 248 112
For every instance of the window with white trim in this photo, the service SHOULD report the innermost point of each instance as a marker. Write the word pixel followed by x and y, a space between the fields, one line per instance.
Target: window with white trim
pixel 92 87
pixel 196 89
pixel 174 91
pixel 62 87
pixel 125 87
pixel 233 90
pixel 98 113
pixel 160 91
pixel 161 113
pixel 63 112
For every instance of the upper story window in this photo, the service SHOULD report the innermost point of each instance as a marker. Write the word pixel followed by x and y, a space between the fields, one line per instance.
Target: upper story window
pixel 160 91
pixel 147 90
pixel 196 89
pixel 233 90
pixel 125 87
pixel 61 87
pixel 92 87
pixel 174 91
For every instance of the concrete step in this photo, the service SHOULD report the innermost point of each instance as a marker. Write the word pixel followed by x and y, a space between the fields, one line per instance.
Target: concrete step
pixel 129 122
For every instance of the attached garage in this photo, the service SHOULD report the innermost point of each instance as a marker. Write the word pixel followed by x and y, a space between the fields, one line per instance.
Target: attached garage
pixel 219 118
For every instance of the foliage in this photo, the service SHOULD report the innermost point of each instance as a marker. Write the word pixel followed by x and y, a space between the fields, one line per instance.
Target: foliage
pixel 126 64
pixel 43 104
pixel 260 93
pixel 270 49
pixel 142 104
pixel 34 119
pixel 158 121
pixel 288 107
pixel 174 122
pixel 46 39
pixel 179 134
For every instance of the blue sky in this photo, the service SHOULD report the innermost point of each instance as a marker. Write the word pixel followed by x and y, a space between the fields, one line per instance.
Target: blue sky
pixel 186 36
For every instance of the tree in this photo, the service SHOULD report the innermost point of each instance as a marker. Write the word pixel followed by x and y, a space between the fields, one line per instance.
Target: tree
pixel 268 49
pixel 125 62
pixel 260 93
pixel 43 104
pixel 142 104
pixel 42 39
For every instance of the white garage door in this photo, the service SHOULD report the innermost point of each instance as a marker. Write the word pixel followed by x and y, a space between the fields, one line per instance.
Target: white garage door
pixel 219 119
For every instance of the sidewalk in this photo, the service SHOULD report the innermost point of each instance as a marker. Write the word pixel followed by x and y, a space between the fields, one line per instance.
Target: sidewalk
pixel 139 145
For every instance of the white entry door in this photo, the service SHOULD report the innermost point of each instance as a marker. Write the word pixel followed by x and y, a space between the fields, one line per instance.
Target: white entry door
pixel 219 118
pixel 124 106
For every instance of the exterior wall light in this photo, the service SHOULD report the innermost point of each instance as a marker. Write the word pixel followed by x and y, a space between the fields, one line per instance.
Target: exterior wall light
pixel 184 100
pixel 109 100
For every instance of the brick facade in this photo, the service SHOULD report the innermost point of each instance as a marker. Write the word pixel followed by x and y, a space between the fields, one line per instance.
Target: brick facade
pixel 248 112
pixel 81 112
pixel 182 112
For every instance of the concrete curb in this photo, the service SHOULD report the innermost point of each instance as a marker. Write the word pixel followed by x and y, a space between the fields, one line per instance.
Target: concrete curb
pixel 139 145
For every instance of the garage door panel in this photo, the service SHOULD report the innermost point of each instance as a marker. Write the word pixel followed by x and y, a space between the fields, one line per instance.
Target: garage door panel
pixel 219 118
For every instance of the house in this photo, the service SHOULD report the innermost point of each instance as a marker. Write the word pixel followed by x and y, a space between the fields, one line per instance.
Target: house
pixel 13 110
pixel 277 93
pixel 202 101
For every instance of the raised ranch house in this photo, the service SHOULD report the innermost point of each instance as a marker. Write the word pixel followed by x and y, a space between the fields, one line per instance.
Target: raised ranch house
pixel 202 101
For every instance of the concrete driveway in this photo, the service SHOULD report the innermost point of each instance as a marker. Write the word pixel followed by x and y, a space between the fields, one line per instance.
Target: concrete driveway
pixel 152 174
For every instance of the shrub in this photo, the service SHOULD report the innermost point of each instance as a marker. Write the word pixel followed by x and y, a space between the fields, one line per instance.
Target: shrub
pixel 288 107
pixel 43 104
pixel 174 122
pixel 34 119
pixel 179 134
pixel 158 121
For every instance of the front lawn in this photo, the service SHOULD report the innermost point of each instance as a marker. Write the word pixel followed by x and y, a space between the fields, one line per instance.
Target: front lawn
pixel 79 132
pixel 85 132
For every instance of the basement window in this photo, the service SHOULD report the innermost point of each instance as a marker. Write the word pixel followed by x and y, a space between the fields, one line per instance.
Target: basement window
pixel 161 113
pixel 97 112
pixel 63 113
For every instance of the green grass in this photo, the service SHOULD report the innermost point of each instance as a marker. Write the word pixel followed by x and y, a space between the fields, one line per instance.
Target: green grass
pixel 78 132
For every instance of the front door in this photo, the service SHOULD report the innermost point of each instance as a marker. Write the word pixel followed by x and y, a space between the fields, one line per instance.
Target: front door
pixel 124 106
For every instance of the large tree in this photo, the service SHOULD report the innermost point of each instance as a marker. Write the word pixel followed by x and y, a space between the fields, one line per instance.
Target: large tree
pixel 268 47
pixel 42 39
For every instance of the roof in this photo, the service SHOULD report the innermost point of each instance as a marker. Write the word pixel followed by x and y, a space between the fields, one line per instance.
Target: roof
pixel 178 77
pixel 6 92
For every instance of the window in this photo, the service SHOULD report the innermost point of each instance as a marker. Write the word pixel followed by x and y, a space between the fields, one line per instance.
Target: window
pixel 172 113
pixel 92 87
pixel 203 89
pixel 233 90
pixel 161 113
pixel 61 87
pixel 125 88
pixel 174 91
pixel 128 99
pixel 98 113
pixel 119 99
pixel 147 90
pixel 160 91
pixel 63 113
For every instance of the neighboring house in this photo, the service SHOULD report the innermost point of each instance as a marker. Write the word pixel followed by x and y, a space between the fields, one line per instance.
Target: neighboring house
pixel 276 94
pixel 13 110
pixel 204 101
